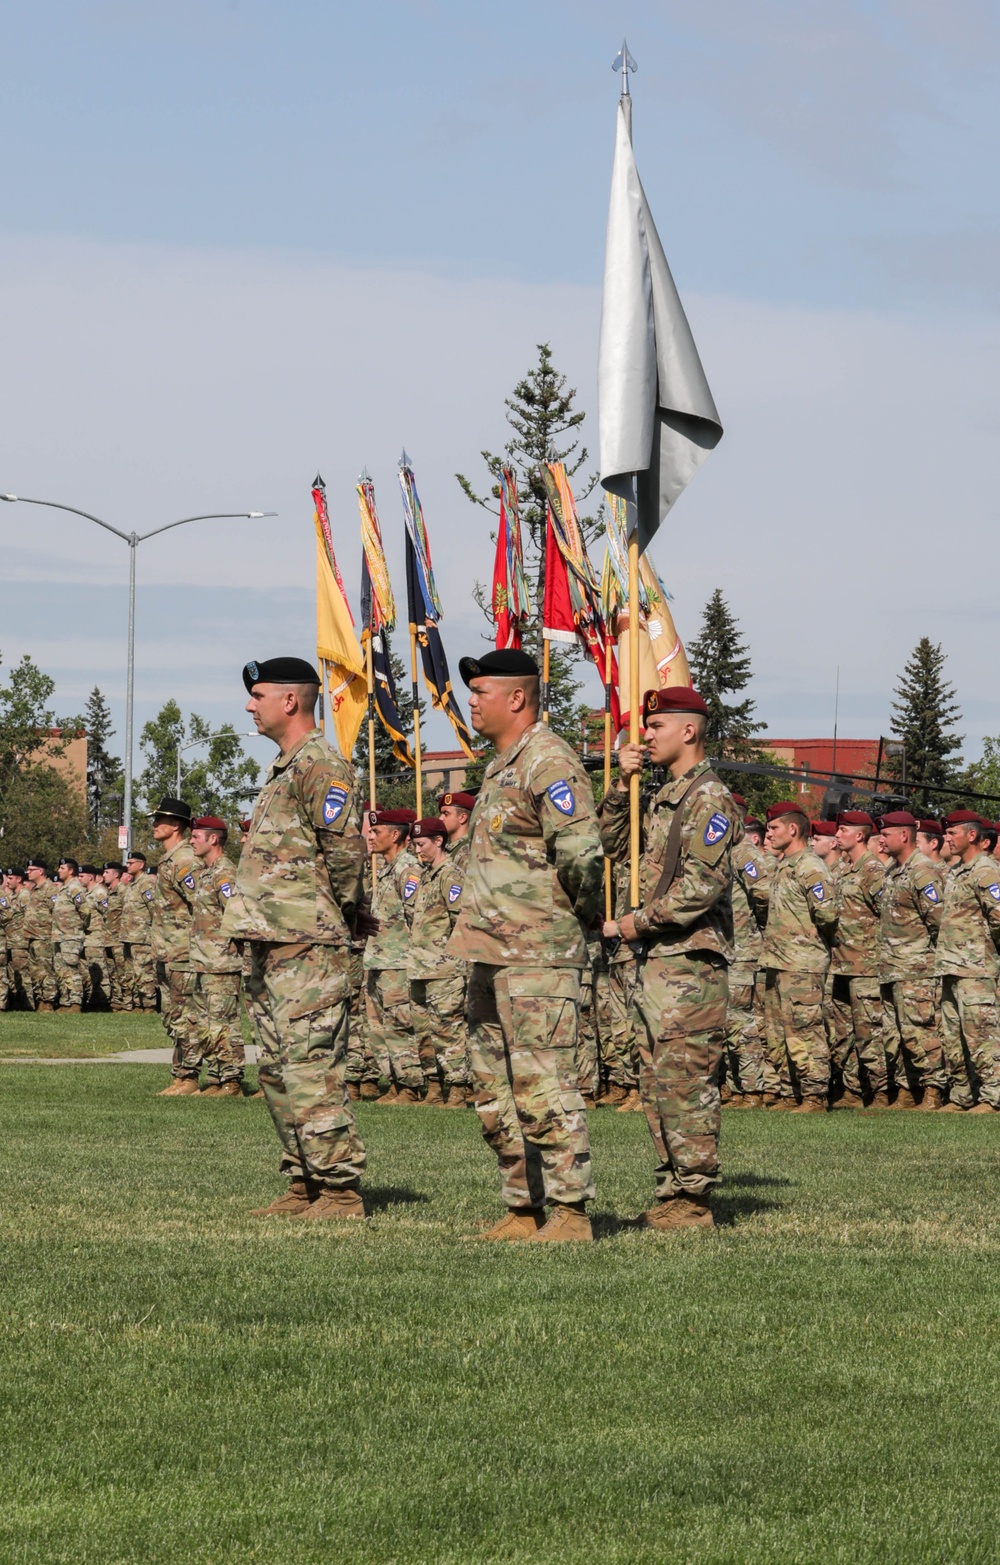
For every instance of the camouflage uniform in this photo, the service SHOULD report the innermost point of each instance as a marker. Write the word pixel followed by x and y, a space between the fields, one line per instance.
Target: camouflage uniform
pixel 801 898
pixel 682 989
pixel 37 930
pixel 621 1048
pixel 966 962
pixel 97 978
pixel 855 999
pixel 749 1066
pixel 20 957
pixel 532 888
pixel 70 920
pixel 139 981
pixel 298 892
pixel 437 980
pixel 361 1063
pixel 172 901
pixel 217 966
pixel 6 918
pixel 911 906
pixel 387 986
pixel 587 1042
pixel 114 953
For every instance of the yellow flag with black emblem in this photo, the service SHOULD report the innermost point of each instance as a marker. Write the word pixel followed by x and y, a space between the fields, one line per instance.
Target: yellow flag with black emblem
pixel 337 646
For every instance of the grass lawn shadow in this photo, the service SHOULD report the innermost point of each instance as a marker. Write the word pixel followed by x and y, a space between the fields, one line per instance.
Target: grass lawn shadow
pixel 380 1198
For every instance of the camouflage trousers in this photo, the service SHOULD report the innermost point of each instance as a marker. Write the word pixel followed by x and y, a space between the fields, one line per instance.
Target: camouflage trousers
pixel 116 976
pixel 97 976
pixel 22 991
pixel 745 1057
pixel 522 1045
pixel 856 1043
pixel 681 1004
pixel 586 1034
pixel 215 1006
pixel 67 960
pixel 361 1062
pixel 970 1028
pixel 437 1009
pixel 298 998
pixel 390 1026
pixel 43 973
pixel 796 1032
pixel 911 1033
pixel 139 983
pixel 621 1049
pixel 5 984
pixel 177 1013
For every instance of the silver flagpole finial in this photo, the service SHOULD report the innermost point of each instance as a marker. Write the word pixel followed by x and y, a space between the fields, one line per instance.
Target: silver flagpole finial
pixel 624 63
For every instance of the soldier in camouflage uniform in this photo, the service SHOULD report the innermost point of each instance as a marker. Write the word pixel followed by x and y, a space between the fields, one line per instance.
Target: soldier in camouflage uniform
pixel 437 980
pixel 801 899
pixel 97 980
pixel 37 930
pixel 298 899
pixel 910 916
pixel 532 889
pixel 966 962
pixel 70 921
pixel 750 1070
pixel 6 918
pixel 622 1057
pixel 387 984
pixel 19 895
pixel 172 903
pixel 216 963
pixel 855 1001
pixel 114 952
pixel 685 924
pixel 362 1072
pixel 139 981
pixel 929 839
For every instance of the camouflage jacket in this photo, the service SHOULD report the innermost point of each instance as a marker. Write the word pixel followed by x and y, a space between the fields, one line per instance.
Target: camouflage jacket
pixel 458 852
pixel 70 913
pixel 113 916
pixel 801 896
pixel 300 870
pixel 393 902
pixel 969 932
pixel 751 871
pixel 173 898
pixel 210 952
pixel 912 903
pixel 137 911
pixel 16 933
pixel 6 918
pixel 97 905
pixel 436 908
pixel 38 911
pixel 854 951
pixel 696 911
pixel 619 951
pixel 534 877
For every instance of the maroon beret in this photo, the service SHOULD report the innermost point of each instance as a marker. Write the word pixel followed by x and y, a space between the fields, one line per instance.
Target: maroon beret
pixel 854 818
pixel 209 823
pixel 785 808
pixel 461 801
pixel 823 828
pixel 897 818
pixel 245 825
pixel 675 698
pixel 739 799
pixel 430 826
pixel 963 818
pixel 930 828
pixel 391 817
pixel 753 824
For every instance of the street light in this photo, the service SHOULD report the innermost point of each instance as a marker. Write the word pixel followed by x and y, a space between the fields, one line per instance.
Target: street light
pixel 224 733
pixel 133 540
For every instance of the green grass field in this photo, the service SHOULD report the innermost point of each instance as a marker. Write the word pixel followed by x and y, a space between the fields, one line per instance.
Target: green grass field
pixel 180 1382
pixel 55 1035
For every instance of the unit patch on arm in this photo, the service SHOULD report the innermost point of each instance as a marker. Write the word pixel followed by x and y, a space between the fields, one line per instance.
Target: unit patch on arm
pixel 561 795
pixel 716 830
pixel 410 885
pixel 930 892
pixel 333 804
pixel 818 891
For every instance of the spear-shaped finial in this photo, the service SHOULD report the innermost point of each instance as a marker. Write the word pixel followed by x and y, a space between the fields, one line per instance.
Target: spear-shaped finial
pixel 364 477
pixel 624 63
pixel 404 460
pixel 318 482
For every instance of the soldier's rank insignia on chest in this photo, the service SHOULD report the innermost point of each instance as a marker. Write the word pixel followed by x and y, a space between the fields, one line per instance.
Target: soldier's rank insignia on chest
pixel 507 777
pixel 716 829
pixel 561 795
pixel 496 822
pixel 454 892
pixel 410 885
pixel 333 804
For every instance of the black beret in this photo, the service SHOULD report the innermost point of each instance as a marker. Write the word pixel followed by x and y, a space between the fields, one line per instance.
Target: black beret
pixel 507 663
pixel 112 864
pixel 280 671
pixel 38 864
pixel 175 808
pixel 89 869
pixel 14 870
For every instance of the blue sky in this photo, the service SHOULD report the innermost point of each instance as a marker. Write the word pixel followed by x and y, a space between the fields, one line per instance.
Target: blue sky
pixel 240 241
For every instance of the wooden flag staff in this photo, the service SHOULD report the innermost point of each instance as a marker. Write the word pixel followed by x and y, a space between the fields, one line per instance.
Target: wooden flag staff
pixel 633 710
pixel 608 736
pixel 416 720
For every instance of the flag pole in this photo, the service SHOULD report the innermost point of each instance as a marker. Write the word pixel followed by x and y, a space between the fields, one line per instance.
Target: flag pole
pixel 416 720
pixel 607 756
pixel 546 666
pixel 322 696
pixel 633 709
pixel 370 677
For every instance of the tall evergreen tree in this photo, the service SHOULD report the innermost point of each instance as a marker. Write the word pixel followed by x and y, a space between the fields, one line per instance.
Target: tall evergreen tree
pixel 545 428
pixel 923 717
pixel 104 771
pixel 721 667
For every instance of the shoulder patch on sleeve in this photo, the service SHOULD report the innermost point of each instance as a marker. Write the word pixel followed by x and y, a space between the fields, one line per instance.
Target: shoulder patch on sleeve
pixel 561 795
pixel 716 829
pixel 931 893
pixel 333 804
pixel 148 894
pixel 994 891
pixel 818 891
pixel 188 880
pixel 226 888
pixel 750 870
pixel 454 892
pixel 410 885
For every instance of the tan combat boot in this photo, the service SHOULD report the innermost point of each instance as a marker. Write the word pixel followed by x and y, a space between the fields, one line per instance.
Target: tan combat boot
pixel 295 1202
pixel 228 1089
pixel 408 1095
pixel 783 1102
pixel 955 1108
pixel 630 1102
pixel 754 1100
pixel 434 1097
pixel 880 1100
pixel 370 1091
pixel 984 1108
pixel 849 1100
pixel 569 1224
pixel 458 1097
pixel 336 1206
pixel 392 1096
pixel 353 1092
pixel 521 1222
pixel 904 1099
pixel 614 1096
pixel 933 1098
pixel 678 1212
pixel 44 1005
pixel 725 1092
pixel 180 1087
pixel 589 1101
pixel 75 1008
pixel 810 1105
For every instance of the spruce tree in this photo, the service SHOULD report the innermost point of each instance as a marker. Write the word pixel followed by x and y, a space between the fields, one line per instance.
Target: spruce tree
pixel 720 666
pixel 923 717
pixel 104 771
